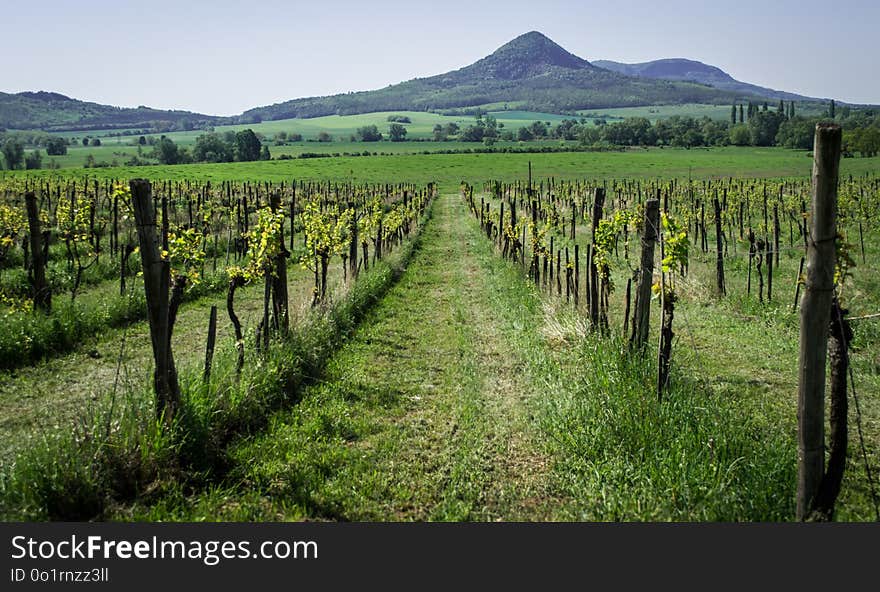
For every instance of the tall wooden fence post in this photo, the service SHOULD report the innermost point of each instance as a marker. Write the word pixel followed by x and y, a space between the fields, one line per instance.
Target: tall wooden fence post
pixel 642 314
pixel 815 317
pixel 157 283
pixel 42 293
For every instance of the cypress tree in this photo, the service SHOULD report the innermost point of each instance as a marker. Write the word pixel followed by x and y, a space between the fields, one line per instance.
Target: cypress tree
pixel 781 106
pixel 741 114
pixel 733 115
pixel 792 109
pixel 832 109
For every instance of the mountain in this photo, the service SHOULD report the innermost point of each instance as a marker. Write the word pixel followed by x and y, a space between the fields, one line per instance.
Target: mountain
pixel 531 71
pixel 689 70
pixel 55 112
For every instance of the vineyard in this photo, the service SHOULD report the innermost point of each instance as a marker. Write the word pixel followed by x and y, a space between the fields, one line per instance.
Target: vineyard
pixel 530 347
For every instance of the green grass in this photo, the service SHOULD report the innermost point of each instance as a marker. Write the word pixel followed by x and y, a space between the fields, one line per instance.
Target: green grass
pixel 468 395
pixel 423 415
pixel 117 452
pixel 450 169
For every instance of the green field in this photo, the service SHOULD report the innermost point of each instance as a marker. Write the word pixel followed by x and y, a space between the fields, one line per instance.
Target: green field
pixel 450 169
pixel 341 128
pixel 116 150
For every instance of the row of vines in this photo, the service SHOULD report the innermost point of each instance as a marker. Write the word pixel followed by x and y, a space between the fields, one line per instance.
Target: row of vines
pixel 580 241
pixel 64 259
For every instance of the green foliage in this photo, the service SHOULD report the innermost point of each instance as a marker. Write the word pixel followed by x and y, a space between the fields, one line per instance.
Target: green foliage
pixel 763 127
pixel 213 148
pixel 186 254
pixel 369 133
pixel 676 244
pixel 606 237
pixel 33 160
pixel 247 146
pixel 13 154
pixel 797 132
pixel 396 132
pixel 167 152
pixel 740 135
pixel 56 146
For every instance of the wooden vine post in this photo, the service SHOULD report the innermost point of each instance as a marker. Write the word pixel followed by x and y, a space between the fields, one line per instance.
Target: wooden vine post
pixel 816 317
pixel 212 340
pixel 719 246
pixel 642 313
pixel 278 279
pixel 598 204
pixel 42 293
pixel 157 283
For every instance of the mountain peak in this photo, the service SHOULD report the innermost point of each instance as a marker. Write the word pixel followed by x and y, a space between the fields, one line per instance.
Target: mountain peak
pixel 685 70
pixel 530 54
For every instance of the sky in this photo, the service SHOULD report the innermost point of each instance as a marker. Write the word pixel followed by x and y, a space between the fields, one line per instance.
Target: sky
pixel 223 57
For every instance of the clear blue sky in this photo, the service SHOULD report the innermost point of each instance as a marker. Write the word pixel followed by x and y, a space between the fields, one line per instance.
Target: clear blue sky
pixel 225 56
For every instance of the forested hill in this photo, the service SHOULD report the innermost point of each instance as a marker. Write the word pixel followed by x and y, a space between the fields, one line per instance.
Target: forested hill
pixel 690 70
pixel 56 112
pixel 531 71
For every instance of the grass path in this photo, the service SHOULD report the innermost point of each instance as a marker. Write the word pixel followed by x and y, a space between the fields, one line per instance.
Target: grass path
pixel 425 415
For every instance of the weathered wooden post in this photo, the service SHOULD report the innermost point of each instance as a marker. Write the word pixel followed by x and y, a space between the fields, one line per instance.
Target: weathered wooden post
pixel 280 299
pixel 815 317
pixel 598 205
pixel 157 283
pixel 719 257
pixel 212 339
pixel 42 293
pixel 642 312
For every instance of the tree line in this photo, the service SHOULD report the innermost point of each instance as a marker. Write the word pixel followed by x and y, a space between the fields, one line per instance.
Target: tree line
pixel 756 125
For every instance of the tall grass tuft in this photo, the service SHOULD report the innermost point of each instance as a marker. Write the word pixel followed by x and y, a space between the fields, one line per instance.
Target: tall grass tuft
pixel 693 456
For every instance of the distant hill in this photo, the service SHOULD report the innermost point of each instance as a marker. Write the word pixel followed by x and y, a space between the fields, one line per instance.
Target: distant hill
pixel 531 71
pixel 690 70
pixel 55 112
